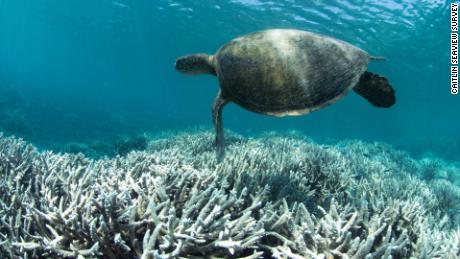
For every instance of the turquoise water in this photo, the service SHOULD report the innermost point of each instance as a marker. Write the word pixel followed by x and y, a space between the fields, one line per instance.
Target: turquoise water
pixel 75 71
pixel 348 181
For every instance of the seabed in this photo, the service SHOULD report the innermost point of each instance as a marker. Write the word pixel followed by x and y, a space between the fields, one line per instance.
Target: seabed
pixel 274 196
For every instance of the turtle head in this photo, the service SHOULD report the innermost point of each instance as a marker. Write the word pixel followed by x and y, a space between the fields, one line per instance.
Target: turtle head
pixel 195 64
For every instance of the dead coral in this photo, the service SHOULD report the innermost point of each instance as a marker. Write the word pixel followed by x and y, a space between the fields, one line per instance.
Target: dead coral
pixel 281 197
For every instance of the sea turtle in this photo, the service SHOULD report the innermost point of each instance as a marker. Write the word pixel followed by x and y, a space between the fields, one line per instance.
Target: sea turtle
pixel 286 72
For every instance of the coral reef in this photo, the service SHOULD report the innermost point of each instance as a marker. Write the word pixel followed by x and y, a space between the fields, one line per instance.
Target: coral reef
pixel 272 197
pixel 34 115
pixel 444 146
pixel 108 147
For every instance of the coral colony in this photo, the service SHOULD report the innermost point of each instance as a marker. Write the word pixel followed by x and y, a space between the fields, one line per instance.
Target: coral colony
pixel 277 196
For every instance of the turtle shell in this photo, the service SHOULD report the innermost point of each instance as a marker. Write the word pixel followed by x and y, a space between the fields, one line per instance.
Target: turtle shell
pixel 287 72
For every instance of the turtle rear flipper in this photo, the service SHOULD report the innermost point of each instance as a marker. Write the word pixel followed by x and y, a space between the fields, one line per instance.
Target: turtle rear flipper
pixel 376 89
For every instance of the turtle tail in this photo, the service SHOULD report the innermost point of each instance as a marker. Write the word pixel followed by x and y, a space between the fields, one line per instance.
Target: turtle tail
pixel 376 89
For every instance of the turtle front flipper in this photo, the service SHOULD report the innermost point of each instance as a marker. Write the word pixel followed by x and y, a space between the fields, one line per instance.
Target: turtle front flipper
pixel 217 108
pixel 375 89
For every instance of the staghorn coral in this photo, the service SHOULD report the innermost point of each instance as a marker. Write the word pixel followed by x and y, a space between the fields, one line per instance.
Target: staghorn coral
pixel 274 196
pixel 109 146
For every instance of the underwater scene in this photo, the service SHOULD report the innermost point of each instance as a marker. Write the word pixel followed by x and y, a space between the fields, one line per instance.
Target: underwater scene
pixel 229 129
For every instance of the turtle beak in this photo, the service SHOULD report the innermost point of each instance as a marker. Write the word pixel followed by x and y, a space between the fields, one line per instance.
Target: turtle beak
pixel 175 64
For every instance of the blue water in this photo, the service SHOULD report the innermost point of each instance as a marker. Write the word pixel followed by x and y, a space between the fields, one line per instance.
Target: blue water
pixel 72 71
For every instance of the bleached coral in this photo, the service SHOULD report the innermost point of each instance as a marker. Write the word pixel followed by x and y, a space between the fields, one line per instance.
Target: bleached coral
pixel 274 196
